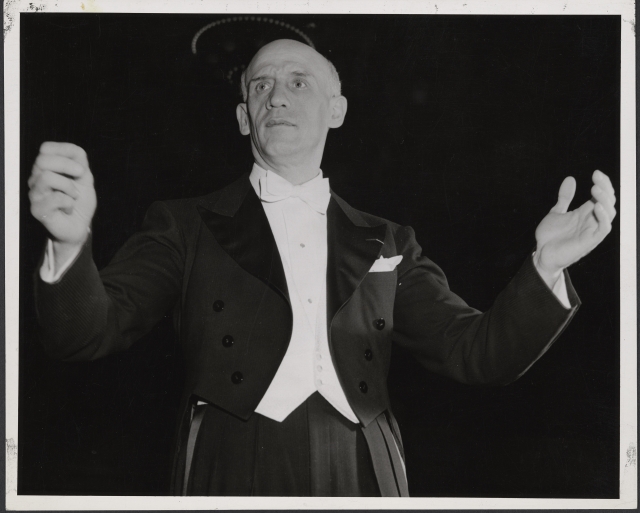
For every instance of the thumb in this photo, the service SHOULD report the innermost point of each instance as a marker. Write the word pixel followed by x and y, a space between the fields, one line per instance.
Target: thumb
pixel 565 195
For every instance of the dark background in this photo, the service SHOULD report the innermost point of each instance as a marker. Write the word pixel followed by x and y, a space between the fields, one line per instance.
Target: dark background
pixel 461 126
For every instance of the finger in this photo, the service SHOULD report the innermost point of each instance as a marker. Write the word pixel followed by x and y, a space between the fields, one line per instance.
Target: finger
pixel 601 179
pixel 604 223
pixel 565 195
pixel 59 164
pixel 35 197
pixel 57 201
pixel 605 199
pixel 586 214
pixel 586 208
pixel 35 172
pixel 48 204
pixel 62 202
pixel 605 193
pixel 32 179
pixel 64 149
pixel 49 181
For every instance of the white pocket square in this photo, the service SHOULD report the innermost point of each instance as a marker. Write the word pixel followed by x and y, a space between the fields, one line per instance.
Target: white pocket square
pixel 384 265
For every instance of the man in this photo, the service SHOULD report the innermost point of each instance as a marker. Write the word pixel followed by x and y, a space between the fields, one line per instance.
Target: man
pixel 288 299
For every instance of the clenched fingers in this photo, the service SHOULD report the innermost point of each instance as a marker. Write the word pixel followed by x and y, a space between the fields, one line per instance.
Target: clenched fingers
pixel 59 164
pixel 604 222
pixel 47 204
pixel 602 180
pixel 43 182
pixel 68 150
pixel 604 198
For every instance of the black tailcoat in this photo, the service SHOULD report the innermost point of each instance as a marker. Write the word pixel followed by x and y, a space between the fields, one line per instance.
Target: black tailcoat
pixel 193 253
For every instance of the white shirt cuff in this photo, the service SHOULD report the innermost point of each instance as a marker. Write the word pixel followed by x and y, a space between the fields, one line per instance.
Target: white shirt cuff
pixel 559 288
pixel 47 270
pixel 560 291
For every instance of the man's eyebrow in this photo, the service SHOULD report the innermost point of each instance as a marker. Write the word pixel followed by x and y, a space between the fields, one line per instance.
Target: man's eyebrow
pixel 261 77
pixel 302 74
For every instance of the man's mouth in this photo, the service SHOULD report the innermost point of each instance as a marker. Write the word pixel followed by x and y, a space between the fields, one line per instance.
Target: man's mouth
pixel 278 122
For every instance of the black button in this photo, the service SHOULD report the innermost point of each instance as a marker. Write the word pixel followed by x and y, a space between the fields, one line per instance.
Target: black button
pixel 363 387
pixel 237 378
pixel 227 341
pixel 379 323
pixel 218 306
pixel 368 354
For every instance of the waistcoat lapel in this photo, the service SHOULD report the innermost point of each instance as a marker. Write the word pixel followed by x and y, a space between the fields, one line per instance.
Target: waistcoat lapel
pixel 353 246
pixel 239 224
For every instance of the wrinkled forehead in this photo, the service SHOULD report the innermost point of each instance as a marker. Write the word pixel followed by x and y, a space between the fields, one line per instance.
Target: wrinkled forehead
pixel 288 56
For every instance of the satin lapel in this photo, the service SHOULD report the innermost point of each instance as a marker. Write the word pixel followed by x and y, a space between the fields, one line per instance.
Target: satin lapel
pixel 352 249
pixel 241 227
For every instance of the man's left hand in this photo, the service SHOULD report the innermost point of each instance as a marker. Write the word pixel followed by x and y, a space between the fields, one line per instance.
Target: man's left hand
pixel 565 237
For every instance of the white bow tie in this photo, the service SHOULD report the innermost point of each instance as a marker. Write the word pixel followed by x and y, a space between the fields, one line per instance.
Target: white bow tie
pixel 315 193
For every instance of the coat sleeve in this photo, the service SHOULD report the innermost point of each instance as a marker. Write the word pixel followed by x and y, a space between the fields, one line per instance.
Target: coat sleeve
pixel 88 314
pixel 450 338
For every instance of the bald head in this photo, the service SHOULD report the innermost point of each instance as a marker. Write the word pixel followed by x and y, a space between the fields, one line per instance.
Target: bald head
pixel 291 100
pixel 305 52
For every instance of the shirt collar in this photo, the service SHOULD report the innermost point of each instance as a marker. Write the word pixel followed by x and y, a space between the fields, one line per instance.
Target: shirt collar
pixel 258 172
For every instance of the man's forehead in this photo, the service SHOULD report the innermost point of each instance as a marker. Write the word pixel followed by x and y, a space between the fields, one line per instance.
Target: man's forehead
pixel 289 67
pixel 287 56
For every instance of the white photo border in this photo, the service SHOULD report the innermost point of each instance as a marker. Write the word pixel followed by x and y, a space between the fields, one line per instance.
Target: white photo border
pixel 627 219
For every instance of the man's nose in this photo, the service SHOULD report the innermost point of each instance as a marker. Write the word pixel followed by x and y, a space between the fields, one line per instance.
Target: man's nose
pixel 278 97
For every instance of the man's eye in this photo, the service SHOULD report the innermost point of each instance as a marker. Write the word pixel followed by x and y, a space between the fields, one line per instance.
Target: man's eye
pixel 299 84
pixel 261 87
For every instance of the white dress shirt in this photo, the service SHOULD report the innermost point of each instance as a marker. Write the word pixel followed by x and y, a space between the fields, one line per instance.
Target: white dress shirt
pixel 300 233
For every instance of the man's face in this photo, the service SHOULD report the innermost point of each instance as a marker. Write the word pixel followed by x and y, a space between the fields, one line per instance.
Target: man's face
pixel 289 107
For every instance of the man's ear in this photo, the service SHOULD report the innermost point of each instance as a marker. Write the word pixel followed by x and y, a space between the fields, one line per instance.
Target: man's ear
pixel 338 111
pixel 243 118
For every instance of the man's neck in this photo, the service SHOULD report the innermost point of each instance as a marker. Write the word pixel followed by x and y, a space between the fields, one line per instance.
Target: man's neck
pixel 294 174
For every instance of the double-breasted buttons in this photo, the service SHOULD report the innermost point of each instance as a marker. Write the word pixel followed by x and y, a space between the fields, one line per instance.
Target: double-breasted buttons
pixel 368 355
pixel 237 378
pixel 363 387
pixel 227 341
pixel 379 323
pixel 218 306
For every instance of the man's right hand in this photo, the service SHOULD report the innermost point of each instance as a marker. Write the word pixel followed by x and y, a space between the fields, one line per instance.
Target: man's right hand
pixel 62 196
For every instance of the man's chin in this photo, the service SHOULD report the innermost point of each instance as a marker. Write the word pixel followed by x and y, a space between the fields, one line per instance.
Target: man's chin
pixel 283 147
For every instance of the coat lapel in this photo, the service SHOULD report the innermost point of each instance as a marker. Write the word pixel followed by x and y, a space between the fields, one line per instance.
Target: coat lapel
pixel 353 246
pixel 239 224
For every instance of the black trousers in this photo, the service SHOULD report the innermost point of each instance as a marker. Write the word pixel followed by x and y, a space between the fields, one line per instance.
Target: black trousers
pixel 315 451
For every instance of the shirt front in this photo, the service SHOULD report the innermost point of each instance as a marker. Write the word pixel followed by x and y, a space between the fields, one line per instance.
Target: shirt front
pixel 300 233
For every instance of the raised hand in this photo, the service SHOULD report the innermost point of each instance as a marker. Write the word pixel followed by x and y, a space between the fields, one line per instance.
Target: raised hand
pixel 62 195
pixel 565 237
